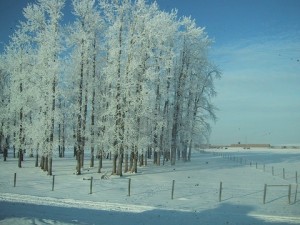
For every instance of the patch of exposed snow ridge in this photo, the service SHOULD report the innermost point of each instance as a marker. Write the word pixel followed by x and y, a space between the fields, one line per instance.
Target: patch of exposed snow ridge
pixel 71 203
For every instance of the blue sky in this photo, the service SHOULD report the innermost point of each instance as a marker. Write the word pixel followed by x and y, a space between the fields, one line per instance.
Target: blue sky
pixel 257 48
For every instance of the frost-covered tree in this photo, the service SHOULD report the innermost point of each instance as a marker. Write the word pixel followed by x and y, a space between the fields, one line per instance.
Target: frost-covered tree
pixel 18 66
pixel 84 41
pixel 43 22
pixel 192 62
pixel 36 48
pixel 5 120
pixel 139 40
pixel 124 78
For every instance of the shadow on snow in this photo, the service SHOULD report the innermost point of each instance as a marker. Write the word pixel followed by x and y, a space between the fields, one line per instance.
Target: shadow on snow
pixel 225 213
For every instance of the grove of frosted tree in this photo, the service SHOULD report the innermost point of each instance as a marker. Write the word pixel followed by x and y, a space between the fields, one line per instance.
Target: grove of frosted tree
pixel 123 80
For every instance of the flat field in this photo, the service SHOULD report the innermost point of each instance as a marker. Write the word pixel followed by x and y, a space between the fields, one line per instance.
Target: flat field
pixel 219 186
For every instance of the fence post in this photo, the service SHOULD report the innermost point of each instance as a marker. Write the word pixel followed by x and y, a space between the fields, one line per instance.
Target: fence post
pixel 296 177
pixel 129 186
pixel 173 186
pixel 283 173
pixel 53 179
pixel 296 194
pixel 220 192
pixel 91 185
pixel 289 195
pixel 273 170
pixel 15 179
pixel 264 167
pixel 265 193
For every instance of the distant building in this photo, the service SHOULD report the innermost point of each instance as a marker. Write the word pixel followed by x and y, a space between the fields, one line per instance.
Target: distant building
pixel 251 145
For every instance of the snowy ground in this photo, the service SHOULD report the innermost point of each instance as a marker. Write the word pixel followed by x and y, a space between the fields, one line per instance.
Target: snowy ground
pixel 243 174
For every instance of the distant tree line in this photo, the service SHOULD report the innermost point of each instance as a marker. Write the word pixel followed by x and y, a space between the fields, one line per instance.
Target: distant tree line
pixel 124 78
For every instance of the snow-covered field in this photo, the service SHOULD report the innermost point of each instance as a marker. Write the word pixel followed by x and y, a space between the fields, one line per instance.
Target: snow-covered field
pixel 243 174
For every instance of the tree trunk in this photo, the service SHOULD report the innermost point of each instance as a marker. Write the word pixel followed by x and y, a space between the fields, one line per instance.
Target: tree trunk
pixel 100 161
pixel 50 166
pixel 59 141
pixel 46 163
pixel 141 159
pixel 114 169
pixel 131 160
pixel 120 164
pixel 135 162
pixel 5 151
pixel 190 150
pixel 51 140
pixel 80 144
pixel 42 163
pixel 155 158
pixel 37 159
pixel 63 138
pixel 184 151
pixel 126 163
pixel 78 156
pixel 92 157
pixel 20 158
pixel 93 106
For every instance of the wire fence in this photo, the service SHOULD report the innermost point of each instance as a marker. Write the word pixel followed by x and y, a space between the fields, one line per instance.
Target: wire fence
pixel 291 176
pixel 105 189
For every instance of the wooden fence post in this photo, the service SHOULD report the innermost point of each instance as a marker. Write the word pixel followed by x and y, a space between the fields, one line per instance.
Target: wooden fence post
pixel 296 194
pixel 290 192
pixel 129 186
pixel 220 192
pixel 15 179
pixel 283 173
pixel 91 185
pixel 173 186
pixel 265 193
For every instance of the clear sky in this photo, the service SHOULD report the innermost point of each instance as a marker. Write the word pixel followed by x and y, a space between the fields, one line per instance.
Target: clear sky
pixel 257 48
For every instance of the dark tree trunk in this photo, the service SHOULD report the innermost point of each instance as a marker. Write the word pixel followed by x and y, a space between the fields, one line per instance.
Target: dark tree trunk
pixel 50 166
pixel 100 161
pixel 78 167
pixel 126 163
pixel 120 164
pixel 131 160
pixel 20 158
pixel 135 162
pixel 63 138
pixel 114 169
pixel 5 151
pixel 46 163
pixel 190 150
pixel 37 159
pixel 142 160
pixel 59 141
pixel 155 158
pixel 42 163
pixel 93 107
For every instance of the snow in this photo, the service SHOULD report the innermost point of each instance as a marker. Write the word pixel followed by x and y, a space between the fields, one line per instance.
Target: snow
pixel 243 174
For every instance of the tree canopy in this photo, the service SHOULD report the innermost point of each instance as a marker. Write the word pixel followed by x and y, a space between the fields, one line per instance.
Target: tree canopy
pixel 124 78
